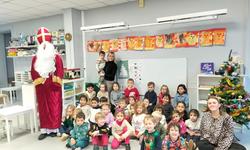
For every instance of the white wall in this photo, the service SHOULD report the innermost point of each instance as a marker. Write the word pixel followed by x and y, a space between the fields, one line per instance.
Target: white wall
pixel 234 21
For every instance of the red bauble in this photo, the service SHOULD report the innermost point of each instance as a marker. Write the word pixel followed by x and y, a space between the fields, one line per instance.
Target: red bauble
pixel 229 69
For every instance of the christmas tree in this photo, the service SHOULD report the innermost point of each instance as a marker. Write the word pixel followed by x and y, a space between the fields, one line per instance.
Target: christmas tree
pixel 233 96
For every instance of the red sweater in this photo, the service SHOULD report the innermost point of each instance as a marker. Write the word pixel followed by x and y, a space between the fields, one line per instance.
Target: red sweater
pixel 132 92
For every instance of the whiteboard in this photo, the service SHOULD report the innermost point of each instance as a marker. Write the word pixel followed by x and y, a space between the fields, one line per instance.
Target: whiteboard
pixel 169 71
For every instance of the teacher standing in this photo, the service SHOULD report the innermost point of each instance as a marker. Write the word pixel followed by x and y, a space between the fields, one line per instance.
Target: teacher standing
pixel 217 128
pixel 110 70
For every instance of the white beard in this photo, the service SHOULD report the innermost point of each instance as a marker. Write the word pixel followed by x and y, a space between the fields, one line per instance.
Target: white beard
pixel 45 62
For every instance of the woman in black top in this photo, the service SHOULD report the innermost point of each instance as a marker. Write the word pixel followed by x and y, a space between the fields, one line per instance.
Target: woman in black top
pixel 110 71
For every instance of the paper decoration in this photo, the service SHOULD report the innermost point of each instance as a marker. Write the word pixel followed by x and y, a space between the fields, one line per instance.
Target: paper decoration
pixel 206 38
pixel 207 68
pixel 159 41
pixel 114 45
pixel 94 46
pixel 122 44
pixel 149 43
pixel 192 38
pixel 180 40
pixel 219 36
pixel 170 40
pixel 105 45
pixel 139 43
pixel 131 42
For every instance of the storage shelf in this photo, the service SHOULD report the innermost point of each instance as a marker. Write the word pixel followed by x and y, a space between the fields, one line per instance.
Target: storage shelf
pixel 202 102
pixel 73 80
pixel 204 88
pixel 30 46
pixel 28 56
pixel 79 93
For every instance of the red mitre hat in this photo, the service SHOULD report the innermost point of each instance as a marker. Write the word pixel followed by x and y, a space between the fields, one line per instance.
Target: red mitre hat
pixel 43 35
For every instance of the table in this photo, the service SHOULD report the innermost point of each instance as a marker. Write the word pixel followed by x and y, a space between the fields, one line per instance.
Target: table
pixel 13 111
pixel 11 89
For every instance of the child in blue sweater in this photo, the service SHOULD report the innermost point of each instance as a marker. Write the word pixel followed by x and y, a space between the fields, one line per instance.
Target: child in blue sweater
pixel 181 95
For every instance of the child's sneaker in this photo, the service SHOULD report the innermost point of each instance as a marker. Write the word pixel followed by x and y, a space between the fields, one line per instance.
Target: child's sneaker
pixel 64 137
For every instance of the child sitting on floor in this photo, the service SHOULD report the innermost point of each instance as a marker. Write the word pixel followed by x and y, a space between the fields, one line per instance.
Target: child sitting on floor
pixel 151 137
pixel 99 132
pixel 79 134
pixel 67 122
pixel 121 130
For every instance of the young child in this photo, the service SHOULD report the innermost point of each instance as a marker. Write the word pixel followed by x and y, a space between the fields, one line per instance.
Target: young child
pixel 100 64
pixel 115 94
pixel 79 134
pixel 167 107
pixel 193 125
pixel 137 119
pixel 181 95
pixel 181 108
pixel 173 140
pixel 146 105
pixel 176 118
pixel 132 101
pixel 85 106
pixel 99 132
pixel 67 122
pixel 151 137
pixel 151 96
pixel 94 109
pixel 109 118
pixel 164 90
pixel 103 91
pixel 131 90
pixel 159 127
pixel 159 108
pixel 121 130
pixel 90 91
pixel 102 101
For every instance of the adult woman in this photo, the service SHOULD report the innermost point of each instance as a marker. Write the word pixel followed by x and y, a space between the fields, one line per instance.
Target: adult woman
pixel 110 71
pixel 217 128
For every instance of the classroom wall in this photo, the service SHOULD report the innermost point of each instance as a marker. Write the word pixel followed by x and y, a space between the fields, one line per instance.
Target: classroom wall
pixel 247 60
pixel 234 21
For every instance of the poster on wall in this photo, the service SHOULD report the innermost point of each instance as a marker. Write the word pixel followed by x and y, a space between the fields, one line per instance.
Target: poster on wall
pixel 122 43
pixel 180 40
pixel 122 69
pixel 131 42
pixel 105 45
pixel 149 43
pixel 139 42
pixel 114 45
pixel 219 36
pixel 94 46
pixel 207 68
pixel 170 40
pixel 192 38
pixel 159 41
pixel 206 38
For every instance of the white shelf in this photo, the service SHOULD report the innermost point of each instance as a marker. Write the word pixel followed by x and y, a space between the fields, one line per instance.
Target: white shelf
pixel 214 76
pixel 66 97
pixel 27 56
pixel 73 80
pixel 204 88
pixel 79 93
pixel 30 46
pixel 202 102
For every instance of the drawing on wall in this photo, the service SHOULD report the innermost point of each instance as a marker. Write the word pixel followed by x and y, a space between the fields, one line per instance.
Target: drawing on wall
pixel 105 45
pixel 122 44
pixel 114 45
pixel 206 38
pixel 136 71
pixel 149 43
pixel 159 41
pixel 123 69
pixel 219 36
pixel 170 40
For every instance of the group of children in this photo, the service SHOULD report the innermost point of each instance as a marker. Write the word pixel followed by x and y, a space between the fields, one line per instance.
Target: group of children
pixel 156 121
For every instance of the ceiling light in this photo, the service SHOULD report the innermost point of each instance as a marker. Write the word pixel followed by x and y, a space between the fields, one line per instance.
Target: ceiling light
pixel 103 26
pixel 195 16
